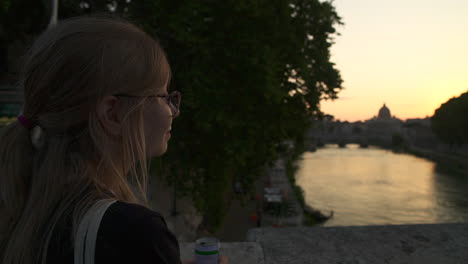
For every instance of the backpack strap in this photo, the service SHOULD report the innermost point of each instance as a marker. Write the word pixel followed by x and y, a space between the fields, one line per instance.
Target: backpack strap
pixel 85 239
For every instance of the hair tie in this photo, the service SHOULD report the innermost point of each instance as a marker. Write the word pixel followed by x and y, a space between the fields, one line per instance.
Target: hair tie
pixel 25 122
pixel 37 134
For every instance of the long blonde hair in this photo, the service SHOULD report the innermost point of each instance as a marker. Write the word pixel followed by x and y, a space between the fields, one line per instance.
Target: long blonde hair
pixel 66 72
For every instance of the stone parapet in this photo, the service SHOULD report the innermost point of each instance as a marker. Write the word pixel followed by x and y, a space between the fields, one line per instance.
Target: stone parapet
pixel 393 244
pixel 236 252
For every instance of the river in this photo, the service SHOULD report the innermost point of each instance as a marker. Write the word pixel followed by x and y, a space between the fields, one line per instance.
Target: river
pixel 375 186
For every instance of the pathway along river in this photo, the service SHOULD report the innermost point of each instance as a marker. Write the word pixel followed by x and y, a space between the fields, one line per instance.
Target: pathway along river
pixel 374 186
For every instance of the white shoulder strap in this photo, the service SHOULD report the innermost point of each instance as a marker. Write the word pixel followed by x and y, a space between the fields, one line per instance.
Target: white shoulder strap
pixel 85 240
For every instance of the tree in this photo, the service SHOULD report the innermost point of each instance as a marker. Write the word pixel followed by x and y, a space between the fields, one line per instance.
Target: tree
pixel 252 74
pixel 450 120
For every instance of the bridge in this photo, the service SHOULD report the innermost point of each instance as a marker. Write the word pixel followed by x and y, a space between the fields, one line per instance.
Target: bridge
pixel 376 133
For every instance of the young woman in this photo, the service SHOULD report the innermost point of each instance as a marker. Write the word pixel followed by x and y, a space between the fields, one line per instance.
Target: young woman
pixel 96 107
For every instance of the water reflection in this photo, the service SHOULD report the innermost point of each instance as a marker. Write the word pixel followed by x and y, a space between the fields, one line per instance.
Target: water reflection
pixel 376 186
pixel 448 189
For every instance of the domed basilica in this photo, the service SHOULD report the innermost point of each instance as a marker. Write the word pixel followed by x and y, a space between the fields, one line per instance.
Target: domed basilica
pixel 383 125
pixel 384 113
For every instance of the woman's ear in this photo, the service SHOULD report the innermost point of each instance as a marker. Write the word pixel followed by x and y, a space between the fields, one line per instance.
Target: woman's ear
pixel 108 114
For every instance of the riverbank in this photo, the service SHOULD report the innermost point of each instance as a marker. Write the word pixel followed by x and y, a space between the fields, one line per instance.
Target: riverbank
pixel 245 211
pixel 253 213
pixel 445 162
pixel 241 216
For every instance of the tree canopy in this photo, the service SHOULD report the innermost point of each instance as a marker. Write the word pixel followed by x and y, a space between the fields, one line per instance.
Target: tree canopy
pixel 450 120
pixel 252 74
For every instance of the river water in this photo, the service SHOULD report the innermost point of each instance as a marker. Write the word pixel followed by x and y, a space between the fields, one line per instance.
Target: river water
pixel 374 186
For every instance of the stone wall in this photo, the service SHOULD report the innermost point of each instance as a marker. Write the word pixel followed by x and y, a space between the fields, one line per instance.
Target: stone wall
pixel 392 244
pixel 432 243
pixel 236 252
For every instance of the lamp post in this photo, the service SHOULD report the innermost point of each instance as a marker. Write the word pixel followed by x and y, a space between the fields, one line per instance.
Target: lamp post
pixel 174 199
pixel 53 13
pixel 174 211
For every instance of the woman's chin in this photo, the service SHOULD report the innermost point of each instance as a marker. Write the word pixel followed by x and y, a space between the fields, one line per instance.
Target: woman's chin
pixel 158 152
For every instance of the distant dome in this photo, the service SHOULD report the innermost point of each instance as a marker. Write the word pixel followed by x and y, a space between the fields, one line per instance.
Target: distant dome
pixel 384 113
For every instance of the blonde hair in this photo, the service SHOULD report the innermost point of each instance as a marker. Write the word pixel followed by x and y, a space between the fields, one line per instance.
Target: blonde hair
pixel 66 72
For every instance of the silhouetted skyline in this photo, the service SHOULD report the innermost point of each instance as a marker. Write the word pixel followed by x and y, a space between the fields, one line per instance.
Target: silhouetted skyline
pixel 409 54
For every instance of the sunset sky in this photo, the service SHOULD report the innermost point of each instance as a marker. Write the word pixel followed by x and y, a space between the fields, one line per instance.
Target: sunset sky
pixel 410 54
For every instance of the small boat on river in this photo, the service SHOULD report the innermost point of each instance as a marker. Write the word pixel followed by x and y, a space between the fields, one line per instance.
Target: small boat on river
pixel 317 214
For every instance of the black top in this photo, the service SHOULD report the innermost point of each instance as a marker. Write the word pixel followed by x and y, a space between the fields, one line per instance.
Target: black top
pixel 128 233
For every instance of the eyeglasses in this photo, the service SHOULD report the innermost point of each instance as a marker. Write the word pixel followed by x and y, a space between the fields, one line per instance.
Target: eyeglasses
pixel 173 99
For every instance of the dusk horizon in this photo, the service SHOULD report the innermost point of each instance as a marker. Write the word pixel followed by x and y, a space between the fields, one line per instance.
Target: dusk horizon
pixel 409 55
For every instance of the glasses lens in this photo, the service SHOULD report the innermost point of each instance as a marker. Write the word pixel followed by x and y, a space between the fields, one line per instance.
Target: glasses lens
pixel 175 99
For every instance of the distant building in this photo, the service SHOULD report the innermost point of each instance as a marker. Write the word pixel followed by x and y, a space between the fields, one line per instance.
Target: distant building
pixel 382 127
pixel 384 113
pixel 378 130
pixel 418 132
pixel 381 130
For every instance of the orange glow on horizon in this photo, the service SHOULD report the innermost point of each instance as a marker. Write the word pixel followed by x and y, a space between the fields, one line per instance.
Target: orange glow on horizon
pixel 410 55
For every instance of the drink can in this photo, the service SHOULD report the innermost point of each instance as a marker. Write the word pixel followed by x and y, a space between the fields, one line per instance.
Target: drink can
pixel 207 250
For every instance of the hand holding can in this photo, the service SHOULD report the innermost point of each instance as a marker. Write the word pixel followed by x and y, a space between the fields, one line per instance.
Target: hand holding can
pixel 207 251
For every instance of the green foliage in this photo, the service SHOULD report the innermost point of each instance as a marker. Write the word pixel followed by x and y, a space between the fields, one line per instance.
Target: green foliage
pixel 4 6
pixel 252 74
pixel 291 169
pixel 450 120
pixel 299 192
pixel 20 18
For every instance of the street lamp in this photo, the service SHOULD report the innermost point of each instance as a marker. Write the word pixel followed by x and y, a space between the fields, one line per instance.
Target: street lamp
pixel 53 13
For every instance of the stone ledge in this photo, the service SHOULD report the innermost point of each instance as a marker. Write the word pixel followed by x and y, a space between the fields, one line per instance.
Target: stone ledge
pixel 236 252
pixel 431 243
